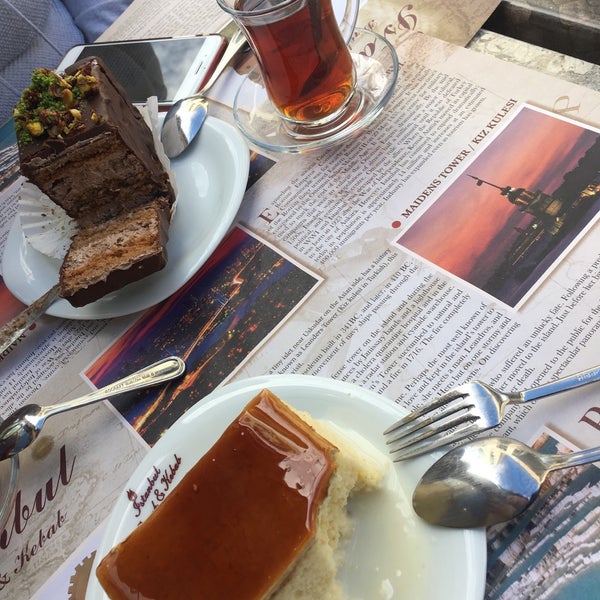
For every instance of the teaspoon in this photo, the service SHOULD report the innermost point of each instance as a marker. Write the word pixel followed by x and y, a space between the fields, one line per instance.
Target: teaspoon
pixel 23 426
pixel 488 481
pixel 185 118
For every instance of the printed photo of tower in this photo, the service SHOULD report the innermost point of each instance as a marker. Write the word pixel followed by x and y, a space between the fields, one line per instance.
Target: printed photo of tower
pixel 520 205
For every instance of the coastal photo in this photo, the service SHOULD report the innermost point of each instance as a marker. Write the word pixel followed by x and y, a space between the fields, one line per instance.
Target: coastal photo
pixel 513 212
pixel 245 291
pixel 528 556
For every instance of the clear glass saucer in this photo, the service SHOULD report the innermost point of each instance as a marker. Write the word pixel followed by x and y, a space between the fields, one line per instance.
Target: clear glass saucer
pixel 376 65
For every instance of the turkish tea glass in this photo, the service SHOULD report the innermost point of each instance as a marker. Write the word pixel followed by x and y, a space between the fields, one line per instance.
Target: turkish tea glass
pixel 303 57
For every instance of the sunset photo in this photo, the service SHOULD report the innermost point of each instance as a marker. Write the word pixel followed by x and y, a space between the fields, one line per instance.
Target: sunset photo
pixel 514 210
pixel 244 292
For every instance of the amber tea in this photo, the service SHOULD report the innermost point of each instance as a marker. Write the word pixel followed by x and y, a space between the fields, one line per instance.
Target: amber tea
pixel 307 68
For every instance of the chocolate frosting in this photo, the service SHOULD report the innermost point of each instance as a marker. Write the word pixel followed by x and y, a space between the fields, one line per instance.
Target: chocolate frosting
pixel 100 167
pixel 117 115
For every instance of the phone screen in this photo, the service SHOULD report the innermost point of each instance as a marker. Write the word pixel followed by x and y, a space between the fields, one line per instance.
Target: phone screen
pixel 148 68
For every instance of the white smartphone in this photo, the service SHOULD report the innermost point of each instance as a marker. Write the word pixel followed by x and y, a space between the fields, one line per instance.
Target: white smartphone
pixel 168 68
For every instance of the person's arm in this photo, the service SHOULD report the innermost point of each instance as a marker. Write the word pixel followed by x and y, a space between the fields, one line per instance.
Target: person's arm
pixel 93 17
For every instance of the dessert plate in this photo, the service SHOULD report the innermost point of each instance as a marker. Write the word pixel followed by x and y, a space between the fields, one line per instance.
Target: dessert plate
pixel 211 179
pixel 392 554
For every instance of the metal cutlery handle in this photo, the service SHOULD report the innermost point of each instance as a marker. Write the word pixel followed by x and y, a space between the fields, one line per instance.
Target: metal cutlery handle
pixel 573 459
pixel 563 384
pixel 159 372
pixel 236 42
pixel 11 331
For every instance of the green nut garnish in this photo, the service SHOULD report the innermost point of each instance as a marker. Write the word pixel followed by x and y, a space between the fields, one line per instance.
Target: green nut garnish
pixel 50 105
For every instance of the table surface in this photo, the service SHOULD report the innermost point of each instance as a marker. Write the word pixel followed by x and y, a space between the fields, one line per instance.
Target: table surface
pixel 539 59
pixel 571 27
pixel 507 44
pixel 559 38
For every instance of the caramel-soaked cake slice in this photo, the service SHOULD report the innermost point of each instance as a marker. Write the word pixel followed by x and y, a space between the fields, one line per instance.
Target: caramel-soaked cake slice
pixel 84 144
pixel 105 257
pixel 261 515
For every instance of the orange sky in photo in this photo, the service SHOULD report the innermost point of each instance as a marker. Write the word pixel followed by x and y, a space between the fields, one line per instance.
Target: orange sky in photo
pixel 534 151
pixel 9 306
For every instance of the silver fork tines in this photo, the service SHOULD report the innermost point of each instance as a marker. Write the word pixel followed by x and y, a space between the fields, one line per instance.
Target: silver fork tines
pixel 453 414
pixel 447 405
pixel 466 411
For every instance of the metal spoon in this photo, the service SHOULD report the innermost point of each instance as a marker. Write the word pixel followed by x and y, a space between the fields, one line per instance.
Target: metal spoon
pixel 23 426
pixel 185 118
pixel 488 481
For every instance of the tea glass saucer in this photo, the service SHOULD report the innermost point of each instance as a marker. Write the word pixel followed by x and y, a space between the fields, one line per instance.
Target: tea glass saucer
pixel 376 64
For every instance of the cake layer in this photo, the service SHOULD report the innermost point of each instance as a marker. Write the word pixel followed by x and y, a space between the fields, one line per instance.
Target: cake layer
pixel 97 179
pixel 105 257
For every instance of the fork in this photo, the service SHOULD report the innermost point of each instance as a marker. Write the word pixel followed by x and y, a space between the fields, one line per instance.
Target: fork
pixel 465 411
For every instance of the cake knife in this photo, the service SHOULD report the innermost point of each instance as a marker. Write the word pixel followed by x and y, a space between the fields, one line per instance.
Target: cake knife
pixel 11 331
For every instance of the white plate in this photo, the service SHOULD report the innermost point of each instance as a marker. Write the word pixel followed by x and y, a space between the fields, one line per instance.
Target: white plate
pixel 392 548
pixel 211 179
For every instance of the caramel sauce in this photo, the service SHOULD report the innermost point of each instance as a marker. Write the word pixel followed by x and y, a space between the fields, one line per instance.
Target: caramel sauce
pixel 238 519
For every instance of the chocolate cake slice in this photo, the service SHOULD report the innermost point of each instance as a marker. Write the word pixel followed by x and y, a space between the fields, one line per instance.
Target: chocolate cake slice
pixel 84 145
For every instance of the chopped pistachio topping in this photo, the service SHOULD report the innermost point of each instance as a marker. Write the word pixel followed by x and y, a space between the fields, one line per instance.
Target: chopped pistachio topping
pixel 50 105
